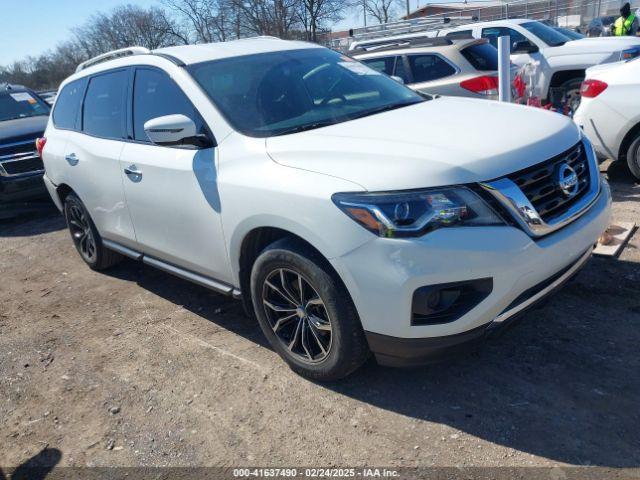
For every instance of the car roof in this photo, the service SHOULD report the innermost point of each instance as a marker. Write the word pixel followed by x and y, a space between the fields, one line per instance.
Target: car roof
pixel 189 54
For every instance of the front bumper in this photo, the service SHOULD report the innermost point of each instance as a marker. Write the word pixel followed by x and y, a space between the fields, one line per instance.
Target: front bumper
pixel 21 193
pixel 382 275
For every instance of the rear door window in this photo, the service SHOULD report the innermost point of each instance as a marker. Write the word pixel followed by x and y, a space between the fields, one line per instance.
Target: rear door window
pixel 427 68
pixel 103 114
pixel 67 106
pixel 482 57
pixel 156 95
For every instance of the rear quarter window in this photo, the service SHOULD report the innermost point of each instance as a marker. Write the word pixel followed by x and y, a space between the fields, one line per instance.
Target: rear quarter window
pixel 67 105
pixel 482 57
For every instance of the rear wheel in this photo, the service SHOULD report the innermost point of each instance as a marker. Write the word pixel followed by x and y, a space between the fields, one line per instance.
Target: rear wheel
pixel 306 313
pixel 85 236
pixel 572 93
pixel 633 157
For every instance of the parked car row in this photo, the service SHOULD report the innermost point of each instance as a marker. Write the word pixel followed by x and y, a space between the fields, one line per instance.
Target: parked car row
pixel 461 68
pixel 351 214
pixel 561 61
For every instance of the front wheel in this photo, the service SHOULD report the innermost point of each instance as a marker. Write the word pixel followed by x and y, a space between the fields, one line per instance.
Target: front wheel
pixel 85 235
pixel 633 157
pixel 306 313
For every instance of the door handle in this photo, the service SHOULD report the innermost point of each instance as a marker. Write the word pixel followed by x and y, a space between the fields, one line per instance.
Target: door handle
pixel 132 170
pixel 72 159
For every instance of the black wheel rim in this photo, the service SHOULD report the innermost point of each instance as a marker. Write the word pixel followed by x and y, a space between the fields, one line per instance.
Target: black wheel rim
pixel 81 232
pixel 297 315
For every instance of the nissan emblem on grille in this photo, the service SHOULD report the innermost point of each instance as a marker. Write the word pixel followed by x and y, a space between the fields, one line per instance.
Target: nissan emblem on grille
pixel 567 180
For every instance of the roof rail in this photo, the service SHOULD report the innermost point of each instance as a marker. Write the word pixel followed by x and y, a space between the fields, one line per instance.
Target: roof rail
pixel 410 42
pixel 123 52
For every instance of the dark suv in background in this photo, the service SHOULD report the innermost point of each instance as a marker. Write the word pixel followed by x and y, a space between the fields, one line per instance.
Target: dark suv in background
pixel 23 118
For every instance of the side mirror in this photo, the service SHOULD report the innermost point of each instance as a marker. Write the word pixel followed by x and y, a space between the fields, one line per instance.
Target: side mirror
pixel 398 79
pixel 175 130
pixel 524 46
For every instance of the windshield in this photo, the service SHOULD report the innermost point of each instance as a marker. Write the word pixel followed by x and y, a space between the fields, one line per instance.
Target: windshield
pixel 20 104
pixel 569 33
pixel 548 35
pixel 276 93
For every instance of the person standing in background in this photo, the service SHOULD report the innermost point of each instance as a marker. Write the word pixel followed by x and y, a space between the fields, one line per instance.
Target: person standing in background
pixel 626 24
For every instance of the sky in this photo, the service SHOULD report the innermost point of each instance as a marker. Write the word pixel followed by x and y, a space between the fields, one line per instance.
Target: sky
pixel 30 27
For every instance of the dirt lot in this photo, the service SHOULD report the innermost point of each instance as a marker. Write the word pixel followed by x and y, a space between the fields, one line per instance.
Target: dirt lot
pixel 135 367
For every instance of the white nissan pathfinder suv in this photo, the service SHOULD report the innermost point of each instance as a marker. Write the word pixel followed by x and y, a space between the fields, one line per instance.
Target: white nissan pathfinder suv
pixel 350 214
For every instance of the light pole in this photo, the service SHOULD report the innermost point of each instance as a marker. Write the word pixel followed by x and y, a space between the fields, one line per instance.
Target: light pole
pixel 364 11
pixel 408 10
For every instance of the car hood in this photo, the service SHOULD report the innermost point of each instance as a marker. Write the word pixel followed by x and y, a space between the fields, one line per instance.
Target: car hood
pixel 592 45
pixel 445 141
pixel 22 129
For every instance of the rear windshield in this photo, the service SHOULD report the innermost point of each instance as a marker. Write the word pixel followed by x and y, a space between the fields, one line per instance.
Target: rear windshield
pixel 482 57
pixel 21 104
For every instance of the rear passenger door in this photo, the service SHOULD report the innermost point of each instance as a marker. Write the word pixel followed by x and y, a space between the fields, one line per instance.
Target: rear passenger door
pixel 432 73
pixel 92 155
pixel 174 199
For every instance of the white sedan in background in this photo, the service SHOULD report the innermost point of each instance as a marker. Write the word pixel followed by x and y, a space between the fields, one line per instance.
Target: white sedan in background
pixel 609 111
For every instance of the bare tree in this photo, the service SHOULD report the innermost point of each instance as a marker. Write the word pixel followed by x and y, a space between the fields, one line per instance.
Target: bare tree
pixel 269 17
pixel 125 26
pixel 207 20
pixel 314 14
pixel 382 10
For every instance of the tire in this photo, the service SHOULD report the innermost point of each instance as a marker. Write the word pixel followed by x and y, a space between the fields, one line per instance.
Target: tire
pixel 633 157
pixel 323 339
pixel 572 92
pixel 85 236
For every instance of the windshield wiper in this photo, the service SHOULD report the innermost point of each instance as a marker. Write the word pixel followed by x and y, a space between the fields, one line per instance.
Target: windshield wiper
pixel 384 108
pixel 306 126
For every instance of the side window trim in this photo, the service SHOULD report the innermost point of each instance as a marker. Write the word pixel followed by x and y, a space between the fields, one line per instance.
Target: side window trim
pixel 407 68
pixel 130 121
pixel 123 122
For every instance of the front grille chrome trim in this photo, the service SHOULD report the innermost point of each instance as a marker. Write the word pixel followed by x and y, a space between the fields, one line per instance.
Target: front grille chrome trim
pixel 516 202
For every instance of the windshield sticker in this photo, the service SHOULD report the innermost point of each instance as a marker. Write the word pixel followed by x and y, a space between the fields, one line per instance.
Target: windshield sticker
pixel 358 68
pixel 23 97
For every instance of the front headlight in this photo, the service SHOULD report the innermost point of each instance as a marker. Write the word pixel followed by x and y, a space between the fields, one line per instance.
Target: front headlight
pixel 414 213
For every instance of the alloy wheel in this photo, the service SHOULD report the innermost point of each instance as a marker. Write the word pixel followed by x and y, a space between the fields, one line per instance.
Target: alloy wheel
pixel 297 315
pixel 81 233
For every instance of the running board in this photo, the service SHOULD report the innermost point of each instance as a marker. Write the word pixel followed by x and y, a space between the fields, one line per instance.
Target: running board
pixel 188 275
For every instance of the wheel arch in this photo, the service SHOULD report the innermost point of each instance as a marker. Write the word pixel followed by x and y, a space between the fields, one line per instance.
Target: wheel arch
pixel 626 141
pixel 62 190
pixel 253 244
pixel 562 76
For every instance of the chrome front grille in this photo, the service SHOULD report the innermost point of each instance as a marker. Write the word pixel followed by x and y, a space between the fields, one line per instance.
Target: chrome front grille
pixel 19 158
pixel 539 183
pixel 538 197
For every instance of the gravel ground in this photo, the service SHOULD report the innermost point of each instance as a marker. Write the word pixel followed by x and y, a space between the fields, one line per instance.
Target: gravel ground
pixel 137 368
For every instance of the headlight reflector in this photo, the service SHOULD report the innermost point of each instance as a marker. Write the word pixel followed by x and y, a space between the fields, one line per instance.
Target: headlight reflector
pixel 414 213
